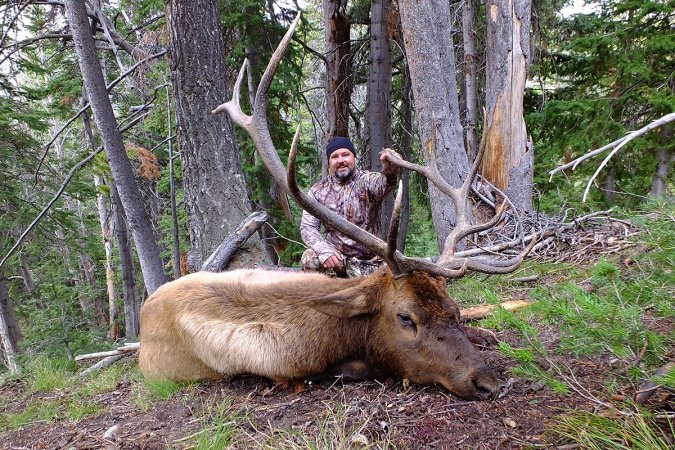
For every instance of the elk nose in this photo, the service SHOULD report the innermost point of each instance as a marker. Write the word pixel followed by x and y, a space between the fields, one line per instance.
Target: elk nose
pixel 486 384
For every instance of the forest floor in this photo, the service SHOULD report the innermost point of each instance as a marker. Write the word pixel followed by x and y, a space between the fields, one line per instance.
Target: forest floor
pixel 251 412
pixel 254 413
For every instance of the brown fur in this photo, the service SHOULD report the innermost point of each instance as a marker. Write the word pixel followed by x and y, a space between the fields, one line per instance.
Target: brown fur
pixel 286 325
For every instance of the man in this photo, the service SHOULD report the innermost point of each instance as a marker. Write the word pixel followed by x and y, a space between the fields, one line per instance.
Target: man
pixel 353 194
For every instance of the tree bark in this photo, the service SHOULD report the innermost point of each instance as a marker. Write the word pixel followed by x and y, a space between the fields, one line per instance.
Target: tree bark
pixel 215 187
pixel 141 228
pixel 9 328
pixel 104 218
pixel 406 152
pixel 508 161
pixel 378 114
pixel 132 306
pixel 338 68
pixel 470 82
pixel 429 48
pixel 664 162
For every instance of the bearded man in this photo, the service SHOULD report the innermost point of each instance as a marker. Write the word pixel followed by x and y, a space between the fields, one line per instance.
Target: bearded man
pixel 357 196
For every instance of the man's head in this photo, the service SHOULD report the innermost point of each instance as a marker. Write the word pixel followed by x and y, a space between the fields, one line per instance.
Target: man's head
pixel 341 158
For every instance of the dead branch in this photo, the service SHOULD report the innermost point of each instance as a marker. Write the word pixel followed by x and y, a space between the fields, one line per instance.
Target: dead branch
pixel 60 191
pixel 647 389
pixel 127 348
pixel 114 83
pixel 482 311
pixel 101 364
pixel 617 145
pixel 222 255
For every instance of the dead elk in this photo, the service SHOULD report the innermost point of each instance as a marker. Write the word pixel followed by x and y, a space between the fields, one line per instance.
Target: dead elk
pixel 284 325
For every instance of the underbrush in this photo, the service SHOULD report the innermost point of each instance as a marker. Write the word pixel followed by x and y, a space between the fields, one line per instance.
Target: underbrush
pixel 620 308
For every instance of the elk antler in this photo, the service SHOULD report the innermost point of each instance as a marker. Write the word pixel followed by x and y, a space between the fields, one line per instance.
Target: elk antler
pixel 448 265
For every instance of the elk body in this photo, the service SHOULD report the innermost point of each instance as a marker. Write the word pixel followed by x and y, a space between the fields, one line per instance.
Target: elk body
pixel 285 325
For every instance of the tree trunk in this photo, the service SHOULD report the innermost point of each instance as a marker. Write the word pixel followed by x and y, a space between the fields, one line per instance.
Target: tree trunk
pixel 132 306
pixel 429 48
pixel 141 228
pixel 664 162
pixel 104 218
pixel 406 152
pixel 470 83
pixel 215 187
pixel 9 328
pixel 508 162
pixel 378 114
pixel 338 68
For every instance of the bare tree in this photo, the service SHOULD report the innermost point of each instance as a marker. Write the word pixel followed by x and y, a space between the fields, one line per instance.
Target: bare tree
pixel 470 77
pixel 378 114
pixel 139 222
pixel 9 328
pixel 509 159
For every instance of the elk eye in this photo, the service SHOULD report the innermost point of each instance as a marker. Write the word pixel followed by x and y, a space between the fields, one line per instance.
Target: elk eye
pixel 406 320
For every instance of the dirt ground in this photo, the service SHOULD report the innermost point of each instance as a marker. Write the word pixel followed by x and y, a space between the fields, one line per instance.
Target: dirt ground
pixel 409 417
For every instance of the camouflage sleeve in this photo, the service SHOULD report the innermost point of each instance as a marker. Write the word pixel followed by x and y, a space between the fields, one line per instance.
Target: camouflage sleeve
pixel 379 184
pixel 310 231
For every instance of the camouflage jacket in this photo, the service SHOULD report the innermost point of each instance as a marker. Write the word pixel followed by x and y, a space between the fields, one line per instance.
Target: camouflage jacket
pixel 358 200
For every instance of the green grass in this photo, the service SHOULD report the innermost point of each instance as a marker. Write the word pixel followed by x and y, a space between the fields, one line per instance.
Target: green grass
pixel 638 431
pixel 49 374
pixel 221 424
pixel 70 397
pixel 163 389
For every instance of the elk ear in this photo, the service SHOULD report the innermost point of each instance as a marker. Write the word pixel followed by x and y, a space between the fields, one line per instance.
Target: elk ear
pixel 349 302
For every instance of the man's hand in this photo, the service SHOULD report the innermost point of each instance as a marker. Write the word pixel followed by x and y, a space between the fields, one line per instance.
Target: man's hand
pixel 388 168
pixel 333 262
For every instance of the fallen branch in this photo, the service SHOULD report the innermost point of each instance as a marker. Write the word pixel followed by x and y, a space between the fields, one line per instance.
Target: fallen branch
pixel 479 312
pixel 101 364
pixel 647 389
pixel 617 145
pixel 222 255
pixel 127 348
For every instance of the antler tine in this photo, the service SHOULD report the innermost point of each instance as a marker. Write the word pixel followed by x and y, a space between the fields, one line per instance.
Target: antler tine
pixel 256 124
pixel 395 221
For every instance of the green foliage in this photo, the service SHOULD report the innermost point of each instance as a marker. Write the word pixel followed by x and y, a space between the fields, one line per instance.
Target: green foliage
pixel 605 73
pixel 64 395
pixel 639 431
pixel 49 374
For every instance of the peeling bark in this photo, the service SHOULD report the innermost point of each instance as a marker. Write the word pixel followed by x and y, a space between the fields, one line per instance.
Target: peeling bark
pixel 508 161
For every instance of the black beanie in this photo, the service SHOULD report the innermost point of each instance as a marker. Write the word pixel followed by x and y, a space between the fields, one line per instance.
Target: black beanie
pixel 339 142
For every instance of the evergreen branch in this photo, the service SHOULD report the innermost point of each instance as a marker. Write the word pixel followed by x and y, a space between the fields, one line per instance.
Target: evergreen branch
pixel 85 107
pixel 60 191
pixel 12 20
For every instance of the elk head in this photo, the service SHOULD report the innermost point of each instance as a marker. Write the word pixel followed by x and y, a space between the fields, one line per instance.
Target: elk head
pixel 416 331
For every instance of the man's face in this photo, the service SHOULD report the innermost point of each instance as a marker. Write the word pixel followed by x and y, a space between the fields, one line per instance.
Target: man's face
pixel 341 164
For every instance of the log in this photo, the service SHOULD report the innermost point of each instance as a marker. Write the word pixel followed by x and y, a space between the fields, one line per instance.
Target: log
pixel 222 255
pixel 479 312
pixel 105 362
pixel 127 348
